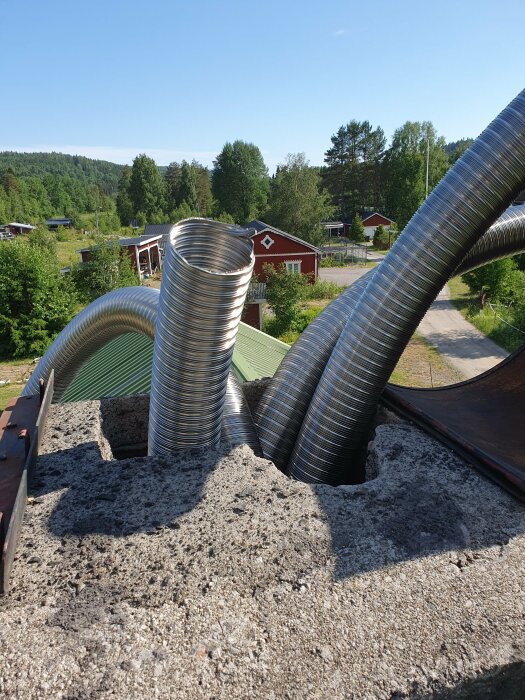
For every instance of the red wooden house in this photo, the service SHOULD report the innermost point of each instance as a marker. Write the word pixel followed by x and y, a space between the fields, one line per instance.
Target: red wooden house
pixel 372 221
pixel 273 246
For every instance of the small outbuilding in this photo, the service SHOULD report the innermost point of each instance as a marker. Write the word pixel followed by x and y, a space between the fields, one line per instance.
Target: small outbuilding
pixel 143 251
pixel 372 221
pixel 15 228
pixel 53 224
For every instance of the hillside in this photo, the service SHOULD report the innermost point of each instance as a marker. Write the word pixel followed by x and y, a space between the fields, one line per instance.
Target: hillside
pixel 85 170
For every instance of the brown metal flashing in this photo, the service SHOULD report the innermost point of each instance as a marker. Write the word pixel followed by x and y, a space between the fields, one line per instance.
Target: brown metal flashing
pixel 21 427
pixel 481 418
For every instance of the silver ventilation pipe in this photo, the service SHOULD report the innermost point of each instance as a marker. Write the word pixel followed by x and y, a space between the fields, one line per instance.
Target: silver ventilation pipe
pixel 207 271
pixel 504 238
pixel 447 225
pixel 127 310
pixel 237 423
pixel 281 411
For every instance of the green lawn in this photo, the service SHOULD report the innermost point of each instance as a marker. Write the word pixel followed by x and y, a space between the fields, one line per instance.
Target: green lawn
pixel 66 250
pixel 8 392
pixel 422 366
pixel 484 320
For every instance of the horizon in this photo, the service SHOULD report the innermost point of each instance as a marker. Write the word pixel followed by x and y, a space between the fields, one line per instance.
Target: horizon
pixel 177 82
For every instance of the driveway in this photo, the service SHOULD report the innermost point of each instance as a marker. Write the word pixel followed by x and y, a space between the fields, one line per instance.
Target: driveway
pixel 342 275
pixel 457 340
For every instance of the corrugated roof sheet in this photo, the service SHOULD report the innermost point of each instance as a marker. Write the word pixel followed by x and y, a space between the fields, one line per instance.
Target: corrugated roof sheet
pixel 123 366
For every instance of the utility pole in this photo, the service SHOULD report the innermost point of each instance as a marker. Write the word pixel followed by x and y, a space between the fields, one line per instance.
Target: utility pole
pixel 97 221
pixel 426 175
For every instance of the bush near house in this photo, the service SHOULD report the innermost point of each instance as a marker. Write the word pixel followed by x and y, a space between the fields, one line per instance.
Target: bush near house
pixel 109 267
pixel 381 238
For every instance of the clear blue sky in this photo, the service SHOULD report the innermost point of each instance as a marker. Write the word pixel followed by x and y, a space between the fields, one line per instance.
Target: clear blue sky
pixel 177 79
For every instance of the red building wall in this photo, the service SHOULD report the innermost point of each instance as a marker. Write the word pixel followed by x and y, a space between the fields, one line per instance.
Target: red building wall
pixel 283 249
pixel 377 220
pixel 251 316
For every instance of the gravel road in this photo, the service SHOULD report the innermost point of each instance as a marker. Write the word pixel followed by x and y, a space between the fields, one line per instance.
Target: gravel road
pixel 458 340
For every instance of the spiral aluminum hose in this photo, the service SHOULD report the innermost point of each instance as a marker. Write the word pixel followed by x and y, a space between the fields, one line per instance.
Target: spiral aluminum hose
pixel 281 410
pixel 447 225
pixel 237 423
pixel 132 309
pixel 505 237
pixel 207 271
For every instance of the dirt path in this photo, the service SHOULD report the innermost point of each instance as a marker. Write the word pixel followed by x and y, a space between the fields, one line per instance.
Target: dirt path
pixel 457 340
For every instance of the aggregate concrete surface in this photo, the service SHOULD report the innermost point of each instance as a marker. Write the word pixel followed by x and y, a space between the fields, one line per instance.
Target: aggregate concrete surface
pixel 209 576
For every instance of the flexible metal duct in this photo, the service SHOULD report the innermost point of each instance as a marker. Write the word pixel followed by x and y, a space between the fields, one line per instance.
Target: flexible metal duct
pixel 281 411
pixel 505 237
pixel 446 226
pixel 206 274
pixel 237 423
pixel 132 309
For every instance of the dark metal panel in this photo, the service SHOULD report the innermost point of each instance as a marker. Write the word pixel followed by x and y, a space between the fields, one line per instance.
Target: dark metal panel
pixel 21 427
pixel 481 418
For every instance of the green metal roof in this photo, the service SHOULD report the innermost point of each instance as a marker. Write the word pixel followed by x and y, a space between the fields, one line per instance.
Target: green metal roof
pixel 123 366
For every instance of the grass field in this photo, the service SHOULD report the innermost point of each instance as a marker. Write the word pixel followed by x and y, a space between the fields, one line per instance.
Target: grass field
pixel 66 250
pixel 14 371
pixel 422 366
pixel 7 392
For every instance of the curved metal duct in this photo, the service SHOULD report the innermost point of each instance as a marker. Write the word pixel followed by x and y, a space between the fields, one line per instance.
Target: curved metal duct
pixel 505 237
pixel 463 205
pixel 281 411
pixel 238 427
pixel 207 271
pixel 131 309
pixel 128 310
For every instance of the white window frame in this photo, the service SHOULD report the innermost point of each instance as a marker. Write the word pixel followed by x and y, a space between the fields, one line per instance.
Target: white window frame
pixel 290 265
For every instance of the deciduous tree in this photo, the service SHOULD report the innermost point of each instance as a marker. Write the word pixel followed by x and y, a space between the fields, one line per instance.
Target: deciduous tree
pixel 109 267
pixel 297 202
pixel 35 300
pixel 405 168
pixel 240 181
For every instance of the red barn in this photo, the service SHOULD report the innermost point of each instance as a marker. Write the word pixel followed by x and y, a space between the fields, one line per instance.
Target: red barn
pixel 273 246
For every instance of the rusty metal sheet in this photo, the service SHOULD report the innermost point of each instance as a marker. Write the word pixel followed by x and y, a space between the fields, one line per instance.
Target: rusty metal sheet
pixel 21 426
pixel 481 418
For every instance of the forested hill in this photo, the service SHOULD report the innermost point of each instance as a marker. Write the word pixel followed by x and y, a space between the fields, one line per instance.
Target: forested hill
pixel 86 170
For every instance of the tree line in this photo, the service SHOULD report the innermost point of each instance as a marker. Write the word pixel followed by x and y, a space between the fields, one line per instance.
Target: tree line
pixel 360 174
pixel 36 198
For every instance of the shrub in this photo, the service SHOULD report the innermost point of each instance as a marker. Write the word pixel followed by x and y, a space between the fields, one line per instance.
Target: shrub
pixel 381 238
pixel 35 300
pixel 108 268
pixel 321 289
pixel 283 290
pixel 330 261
